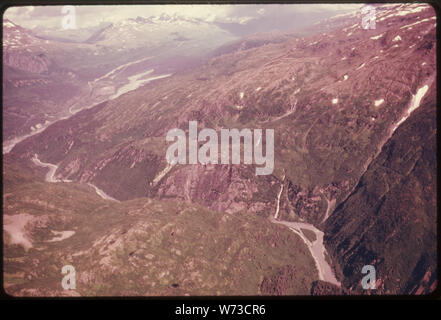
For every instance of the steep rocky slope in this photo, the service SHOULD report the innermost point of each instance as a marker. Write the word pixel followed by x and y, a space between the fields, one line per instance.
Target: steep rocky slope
pixel 389 221
pixel 340 102
pixel 36 87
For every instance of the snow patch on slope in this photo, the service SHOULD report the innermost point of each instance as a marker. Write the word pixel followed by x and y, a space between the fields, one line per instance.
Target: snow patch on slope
pixel 414 104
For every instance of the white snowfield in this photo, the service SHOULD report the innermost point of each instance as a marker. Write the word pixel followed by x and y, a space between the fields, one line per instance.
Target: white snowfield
pixel 329 208
pixel 411 8
pixel 8 24
pixel 354 26
pixel 379 102
pixel 276 215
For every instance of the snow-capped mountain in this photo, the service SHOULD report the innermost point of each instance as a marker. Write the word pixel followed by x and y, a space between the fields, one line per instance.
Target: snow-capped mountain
pixel 164 32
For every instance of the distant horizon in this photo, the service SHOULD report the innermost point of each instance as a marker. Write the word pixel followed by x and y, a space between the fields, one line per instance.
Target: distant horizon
pixel 89 16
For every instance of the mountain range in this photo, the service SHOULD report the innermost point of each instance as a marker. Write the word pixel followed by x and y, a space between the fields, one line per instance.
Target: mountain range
pixel 354 114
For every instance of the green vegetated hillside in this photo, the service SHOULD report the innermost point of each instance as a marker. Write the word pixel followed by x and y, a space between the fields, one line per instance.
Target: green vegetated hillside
pixel 143 247
pixel 389 221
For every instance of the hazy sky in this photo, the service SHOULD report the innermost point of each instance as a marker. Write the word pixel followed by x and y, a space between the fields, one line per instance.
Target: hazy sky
pixel 86 16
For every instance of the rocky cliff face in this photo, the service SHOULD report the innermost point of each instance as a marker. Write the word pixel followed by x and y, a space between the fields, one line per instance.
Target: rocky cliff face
pixel 34 64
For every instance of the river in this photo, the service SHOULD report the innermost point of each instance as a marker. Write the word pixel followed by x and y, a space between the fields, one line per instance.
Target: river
pixel 135 81
pixel 316 248
pixel 50 177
